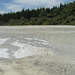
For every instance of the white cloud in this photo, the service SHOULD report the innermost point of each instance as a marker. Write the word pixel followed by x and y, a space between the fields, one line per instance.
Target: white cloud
pixel 44 3
pixel 2 12
pixel 17 5
pixel 13 7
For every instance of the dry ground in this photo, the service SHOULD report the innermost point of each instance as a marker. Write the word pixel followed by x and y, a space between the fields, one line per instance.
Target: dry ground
pixel 61 41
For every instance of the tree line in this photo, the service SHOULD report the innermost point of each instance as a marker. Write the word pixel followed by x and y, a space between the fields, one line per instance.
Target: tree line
pixel 62 15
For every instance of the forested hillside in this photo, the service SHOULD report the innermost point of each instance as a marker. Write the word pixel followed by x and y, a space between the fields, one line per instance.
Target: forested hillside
pixel 62 15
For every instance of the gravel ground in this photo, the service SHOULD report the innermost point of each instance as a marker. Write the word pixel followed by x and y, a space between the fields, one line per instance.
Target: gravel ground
pixel 52 50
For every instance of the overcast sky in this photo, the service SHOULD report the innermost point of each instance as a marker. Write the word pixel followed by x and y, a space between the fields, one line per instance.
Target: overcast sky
pixel 16 5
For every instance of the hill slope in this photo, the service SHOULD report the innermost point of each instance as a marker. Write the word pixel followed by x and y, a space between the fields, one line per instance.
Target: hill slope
pixel 63 15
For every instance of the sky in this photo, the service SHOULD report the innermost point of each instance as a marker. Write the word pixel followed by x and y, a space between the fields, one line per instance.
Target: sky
pixel 17 5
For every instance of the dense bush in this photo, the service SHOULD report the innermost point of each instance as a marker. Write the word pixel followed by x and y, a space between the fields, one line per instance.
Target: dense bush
pixel 63 15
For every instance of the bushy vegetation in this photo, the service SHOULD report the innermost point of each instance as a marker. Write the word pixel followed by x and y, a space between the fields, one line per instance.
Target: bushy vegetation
pixel 62 15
